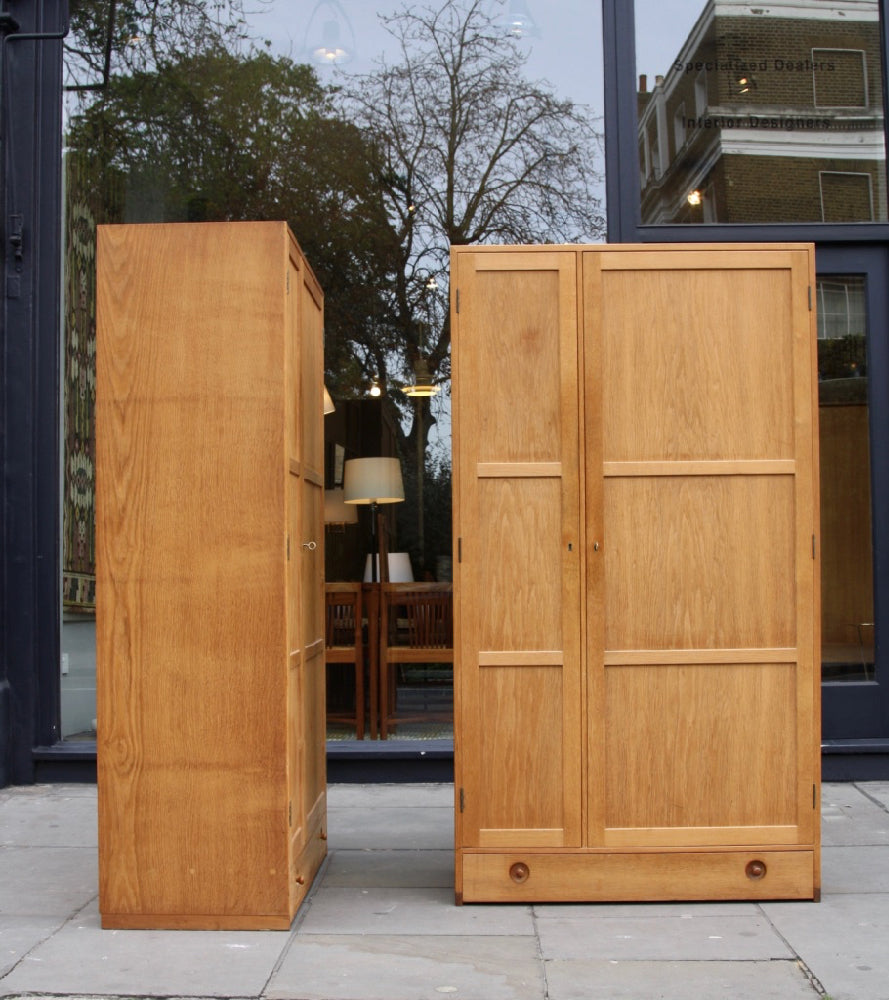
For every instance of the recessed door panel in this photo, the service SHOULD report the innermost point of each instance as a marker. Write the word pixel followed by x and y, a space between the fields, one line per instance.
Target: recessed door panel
pixel 696 360
pixel 678 752
pixel 700 562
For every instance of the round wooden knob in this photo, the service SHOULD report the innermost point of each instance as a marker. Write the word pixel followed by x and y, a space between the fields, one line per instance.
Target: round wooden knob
pixel 519 872
pixel 756 870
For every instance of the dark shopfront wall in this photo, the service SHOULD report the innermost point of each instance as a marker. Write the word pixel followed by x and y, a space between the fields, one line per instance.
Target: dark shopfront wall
pixel 30 90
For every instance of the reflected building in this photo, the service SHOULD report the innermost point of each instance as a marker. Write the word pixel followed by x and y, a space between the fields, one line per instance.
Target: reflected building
pixel 767 114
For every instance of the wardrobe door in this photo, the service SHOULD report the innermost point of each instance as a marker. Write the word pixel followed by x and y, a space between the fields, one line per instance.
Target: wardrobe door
pixel 518 543
pixel 703 582
pixel 305 565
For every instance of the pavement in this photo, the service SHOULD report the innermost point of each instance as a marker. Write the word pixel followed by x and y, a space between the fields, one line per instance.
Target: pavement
pixel 380 921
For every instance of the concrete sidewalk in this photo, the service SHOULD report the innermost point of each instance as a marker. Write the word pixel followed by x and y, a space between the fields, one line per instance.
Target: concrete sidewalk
pixel 380 922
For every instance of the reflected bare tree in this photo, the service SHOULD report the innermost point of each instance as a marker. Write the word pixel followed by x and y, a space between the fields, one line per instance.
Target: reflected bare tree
pixel 467 150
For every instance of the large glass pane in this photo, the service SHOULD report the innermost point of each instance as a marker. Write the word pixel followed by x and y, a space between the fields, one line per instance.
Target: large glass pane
pixel 206 110
pixel 760 114
pixel 846 542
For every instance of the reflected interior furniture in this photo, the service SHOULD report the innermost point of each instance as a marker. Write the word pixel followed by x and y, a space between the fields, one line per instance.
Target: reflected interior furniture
pixel 210 622
pixel 416 627
pixel 637 617
pixel 344 645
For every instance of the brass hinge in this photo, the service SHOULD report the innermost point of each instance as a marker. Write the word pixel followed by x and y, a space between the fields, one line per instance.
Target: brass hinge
pixel 814 551
pixel 457 299
pixel 814 797
pixel 290 813
pixel 462 800
pixel 288 548
pixel 810 298
pixel 459 550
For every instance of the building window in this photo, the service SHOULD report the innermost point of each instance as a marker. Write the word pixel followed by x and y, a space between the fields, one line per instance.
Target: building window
pixel 679 134
pixel 846 197
pixel 701 93
pixel 839 78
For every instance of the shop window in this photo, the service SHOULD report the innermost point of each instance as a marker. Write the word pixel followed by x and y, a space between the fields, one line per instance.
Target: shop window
pixel 847 596
pixel 230 110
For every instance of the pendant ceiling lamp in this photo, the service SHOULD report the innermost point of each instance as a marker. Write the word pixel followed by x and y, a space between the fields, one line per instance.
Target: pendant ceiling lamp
pixel 423 384
pixel 519 21
pixel 330 38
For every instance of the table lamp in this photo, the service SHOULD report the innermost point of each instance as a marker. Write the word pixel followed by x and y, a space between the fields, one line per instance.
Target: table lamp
pixel 373 481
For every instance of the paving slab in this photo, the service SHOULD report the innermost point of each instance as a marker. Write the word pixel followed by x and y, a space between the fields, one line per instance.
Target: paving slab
pixel 747 937
pixel 406 967
pixel 378 827
pixel 877 790
pixel 585 980
pixel 371 796
pixel 48 816
pixel 854 870
pixel 81 958
pixel 47 881
pixel 842 939
pixel 408 911
pixel 19 935
pixel 849 817
pixel 397 869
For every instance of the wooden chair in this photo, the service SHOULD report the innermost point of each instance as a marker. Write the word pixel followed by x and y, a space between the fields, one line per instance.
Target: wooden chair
pixel 343 644
pixel 416 626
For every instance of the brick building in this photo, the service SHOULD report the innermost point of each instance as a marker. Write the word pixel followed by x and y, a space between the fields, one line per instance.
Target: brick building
pixel 775 116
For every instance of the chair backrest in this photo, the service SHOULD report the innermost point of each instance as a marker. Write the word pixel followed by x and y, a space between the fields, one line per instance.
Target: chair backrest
pixel 343 614
pixel 418 615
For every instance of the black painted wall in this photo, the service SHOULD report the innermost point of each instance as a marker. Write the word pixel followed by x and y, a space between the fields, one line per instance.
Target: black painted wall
pixel 30 227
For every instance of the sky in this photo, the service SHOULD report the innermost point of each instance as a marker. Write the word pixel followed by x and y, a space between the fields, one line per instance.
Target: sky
pixel 567 52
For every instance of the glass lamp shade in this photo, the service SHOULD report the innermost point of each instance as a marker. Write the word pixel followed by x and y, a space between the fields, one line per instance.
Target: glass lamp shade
pixel 336 510
pixel 329 37
pixel 372 480
pixel 519 21
pixel 328 402
pixel 423 384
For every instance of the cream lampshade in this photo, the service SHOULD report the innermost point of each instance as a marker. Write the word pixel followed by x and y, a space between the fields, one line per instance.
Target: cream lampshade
pixel 373 480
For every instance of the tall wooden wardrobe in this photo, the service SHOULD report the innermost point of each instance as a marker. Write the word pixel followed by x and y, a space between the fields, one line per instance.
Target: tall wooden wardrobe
pixel 636 560
pixel 210 672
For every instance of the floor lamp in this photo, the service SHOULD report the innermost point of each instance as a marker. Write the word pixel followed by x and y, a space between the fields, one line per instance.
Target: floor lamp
pixel 373 481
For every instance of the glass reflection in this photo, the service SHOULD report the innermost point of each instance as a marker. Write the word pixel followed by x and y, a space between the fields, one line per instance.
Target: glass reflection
pixel 847 598
pixel 760 114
